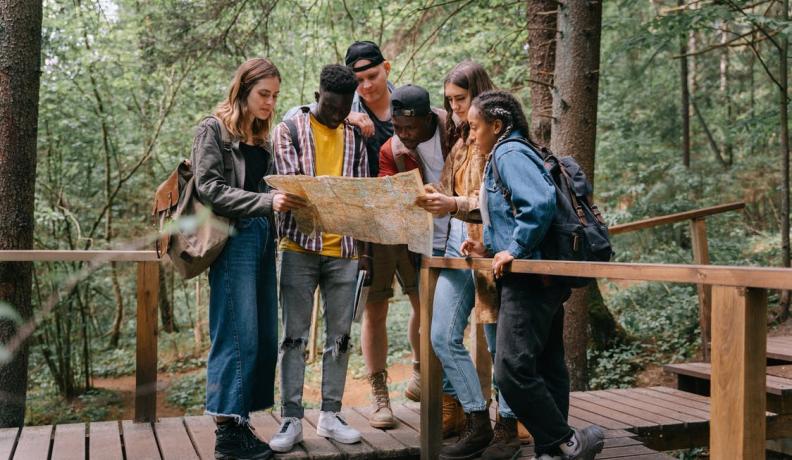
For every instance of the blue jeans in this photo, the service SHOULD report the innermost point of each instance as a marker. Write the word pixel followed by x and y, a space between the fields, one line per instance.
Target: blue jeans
pixel 243 323
pixel 453 301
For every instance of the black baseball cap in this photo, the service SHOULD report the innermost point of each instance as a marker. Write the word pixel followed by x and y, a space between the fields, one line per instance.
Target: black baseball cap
pixel 364 50
pixel 410 101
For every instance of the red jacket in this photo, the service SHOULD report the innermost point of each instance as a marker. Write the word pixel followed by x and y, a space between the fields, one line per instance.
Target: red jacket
pixel 395 158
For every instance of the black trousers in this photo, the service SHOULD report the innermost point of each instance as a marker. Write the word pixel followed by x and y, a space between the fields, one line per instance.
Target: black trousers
pixel 529 359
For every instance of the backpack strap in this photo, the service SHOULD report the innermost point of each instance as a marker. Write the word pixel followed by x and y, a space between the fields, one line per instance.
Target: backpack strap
pixel 400 165
pixel 225 138
pixel 496 174
pixel 358 142
pixel 291 125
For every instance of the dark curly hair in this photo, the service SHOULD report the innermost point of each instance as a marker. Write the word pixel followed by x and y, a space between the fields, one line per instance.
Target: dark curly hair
pixel 338 79
pixel 469 75
pixel 503 106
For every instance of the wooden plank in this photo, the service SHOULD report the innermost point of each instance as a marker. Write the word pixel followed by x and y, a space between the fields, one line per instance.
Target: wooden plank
pixel 34 442
pixel 266 426
pixel 674 218
pixel 613 401
pixel 698 233
pixel 315 445
pixel 201 429
pixel 739 340
pixel 97 256
pixel 774 385
pixel 403 433
pixel 104 441
pixel 670 401
pixel 431 391
pixel 139 441
pixel 173 439
pixel 146 356
pixel 358 450
pixel 8 441
pixel 386 445
pixel 593 418
pixel 69 443
pixel 722 275
pixel 638 401
pixel 583 401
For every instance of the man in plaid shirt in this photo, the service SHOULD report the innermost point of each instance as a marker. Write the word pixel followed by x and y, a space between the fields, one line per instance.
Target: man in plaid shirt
pixel 325 146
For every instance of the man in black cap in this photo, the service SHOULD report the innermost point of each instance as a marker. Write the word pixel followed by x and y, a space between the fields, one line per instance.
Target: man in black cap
pixel 419 142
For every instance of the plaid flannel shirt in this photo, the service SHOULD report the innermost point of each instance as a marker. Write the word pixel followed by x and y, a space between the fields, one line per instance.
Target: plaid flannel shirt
pixel 288 161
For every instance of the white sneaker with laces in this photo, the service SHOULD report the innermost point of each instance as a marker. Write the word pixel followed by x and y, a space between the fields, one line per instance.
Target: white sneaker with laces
pixel 332 425
pixel 289 434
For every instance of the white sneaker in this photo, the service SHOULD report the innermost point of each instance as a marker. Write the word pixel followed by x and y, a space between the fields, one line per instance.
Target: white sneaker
pixel 289 434
pixel 332 425
pixel 546 457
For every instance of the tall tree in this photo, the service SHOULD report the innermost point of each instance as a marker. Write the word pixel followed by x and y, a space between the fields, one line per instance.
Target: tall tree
pixel 574 132
pixel 20 51
pixel 783 93
pixel 541 53
pixel 685 102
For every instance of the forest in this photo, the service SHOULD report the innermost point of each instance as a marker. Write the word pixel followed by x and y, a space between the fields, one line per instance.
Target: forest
pixel 690 102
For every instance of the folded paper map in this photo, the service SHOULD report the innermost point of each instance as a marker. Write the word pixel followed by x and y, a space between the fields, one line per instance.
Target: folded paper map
pixel 377 209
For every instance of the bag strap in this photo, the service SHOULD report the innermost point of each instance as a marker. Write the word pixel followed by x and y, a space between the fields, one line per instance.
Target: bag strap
pixel 358 141
pixel 291 125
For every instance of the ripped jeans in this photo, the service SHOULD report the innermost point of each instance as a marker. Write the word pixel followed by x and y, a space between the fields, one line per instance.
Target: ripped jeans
pixel 336 278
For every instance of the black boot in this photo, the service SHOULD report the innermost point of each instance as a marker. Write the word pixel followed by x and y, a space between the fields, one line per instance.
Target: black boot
pixel 238 442
pixel 505 444
pixel 472 441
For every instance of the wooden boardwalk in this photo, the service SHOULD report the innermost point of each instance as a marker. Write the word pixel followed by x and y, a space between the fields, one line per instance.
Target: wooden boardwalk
pixel 193 438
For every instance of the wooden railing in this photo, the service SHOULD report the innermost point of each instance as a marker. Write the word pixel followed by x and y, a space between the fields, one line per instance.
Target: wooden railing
pixel 737 425
pixel 700 245
pixel 147 302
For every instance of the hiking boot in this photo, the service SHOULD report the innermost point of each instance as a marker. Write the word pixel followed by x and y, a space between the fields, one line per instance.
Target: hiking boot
pixel 453 416
pixel 584 444
pixel 505 443
pixel 382 417
pixel 234 441
pixel 289 434
pixel 413 390
pixel 332 425
pixel 476 437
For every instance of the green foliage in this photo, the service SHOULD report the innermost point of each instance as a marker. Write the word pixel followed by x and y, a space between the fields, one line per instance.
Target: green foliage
pixel 188 392
pixel 616 367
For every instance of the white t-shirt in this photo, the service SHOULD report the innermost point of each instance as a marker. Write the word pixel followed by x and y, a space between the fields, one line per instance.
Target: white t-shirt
pixel 431 153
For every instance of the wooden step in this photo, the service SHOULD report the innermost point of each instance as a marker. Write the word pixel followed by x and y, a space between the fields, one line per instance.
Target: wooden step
pixel 695 378
pixel 779 349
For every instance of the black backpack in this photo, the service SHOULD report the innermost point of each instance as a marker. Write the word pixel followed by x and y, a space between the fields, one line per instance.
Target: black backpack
pixel 578 231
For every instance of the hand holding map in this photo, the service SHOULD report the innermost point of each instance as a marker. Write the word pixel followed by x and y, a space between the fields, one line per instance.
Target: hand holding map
pixel 379 210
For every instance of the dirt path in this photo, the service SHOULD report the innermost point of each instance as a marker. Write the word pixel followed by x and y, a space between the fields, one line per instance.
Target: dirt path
pixel 125 386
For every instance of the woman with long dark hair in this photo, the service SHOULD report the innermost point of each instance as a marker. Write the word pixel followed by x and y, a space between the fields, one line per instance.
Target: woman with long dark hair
pixel 518 203
pixel 231 155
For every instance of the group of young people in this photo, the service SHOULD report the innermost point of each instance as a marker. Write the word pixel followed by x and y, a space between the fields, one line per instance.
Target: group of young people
pixel 490 197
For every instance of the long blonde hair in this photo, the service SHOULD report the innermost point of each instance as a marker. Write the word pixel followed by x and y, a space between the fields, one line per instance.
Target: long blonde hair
pixel 233 110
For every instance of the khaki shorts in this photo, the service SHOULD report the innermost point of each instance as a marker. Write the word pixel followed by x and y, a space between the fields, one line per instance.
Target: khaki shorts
pixel 389 260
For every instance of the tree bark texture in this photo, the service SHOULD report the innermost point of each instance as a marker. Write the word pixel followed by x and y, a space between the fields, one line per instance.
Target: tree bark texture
pixel 574 133
pixel 541 51
pixel 20 51
pixel 685 103
pixel 783 78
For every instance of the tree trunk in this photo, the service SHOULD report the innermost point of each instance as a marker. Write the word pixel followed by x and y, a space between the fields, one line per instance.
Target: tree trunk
pixel 541 48
pixel 574 132
pixel 784 121
pixel 166 303
pixel 20 54
pixel 685 107
pixel 728 150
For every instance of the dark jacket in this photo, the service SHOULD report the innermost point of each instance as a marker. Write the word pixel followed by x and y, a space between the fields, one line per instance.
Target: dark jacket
pixel 219 183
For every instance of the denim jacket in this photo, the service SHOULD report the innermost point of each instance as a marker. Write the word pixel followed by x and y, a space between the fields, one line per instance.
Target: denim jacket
pixel 518 225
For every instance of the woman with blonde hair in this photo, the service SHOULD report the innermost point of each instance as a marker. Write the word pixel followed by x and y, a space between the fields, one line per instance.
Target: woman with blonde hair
pixel 231 154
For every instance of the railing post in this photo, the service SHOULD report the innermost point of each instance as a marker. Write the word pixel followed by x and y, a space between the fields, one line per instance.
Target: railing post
pixel 146 356
pixel 698 233
pixel 431 391
pixel 739 343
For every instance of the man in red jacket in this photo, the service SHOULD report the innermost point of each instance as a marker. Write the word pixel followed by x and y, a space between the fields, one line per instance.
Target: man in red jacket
pixel 419 142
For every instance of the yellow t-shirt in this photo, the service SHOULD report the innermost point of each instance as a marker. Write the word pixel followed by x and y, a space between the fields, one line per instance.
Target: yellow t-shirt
pixel 329 162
